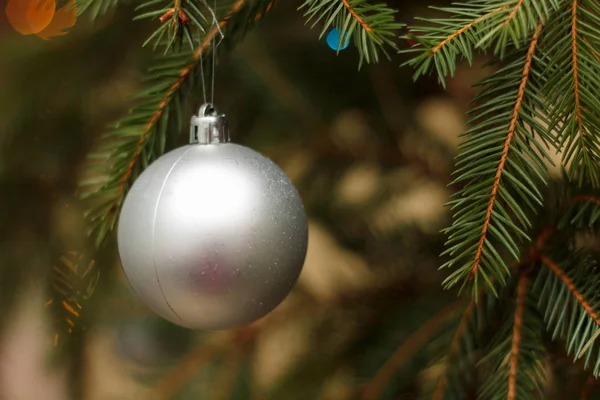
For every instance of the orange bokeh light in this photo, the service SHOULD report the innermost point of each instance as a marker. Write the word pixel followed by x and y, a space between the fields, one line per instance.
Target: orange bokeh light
pixel 30 16
pixel 40 17
pixel 64 18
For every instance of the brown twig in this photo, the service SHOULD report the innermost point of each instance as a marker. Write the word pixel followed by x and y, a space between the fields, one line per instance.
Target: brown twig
pixel 596 56
pixel 571 286
pixel 357 17
pixel 465 28
pixel 516 339
pixel 541 241
pixel 584 197
pixel 514 12
pixel 414 342
pixel 507 145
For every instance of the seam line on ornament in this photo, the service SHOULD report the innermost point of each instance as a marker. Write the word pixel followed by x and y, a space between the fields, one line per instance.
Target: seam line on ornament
pixel 162 188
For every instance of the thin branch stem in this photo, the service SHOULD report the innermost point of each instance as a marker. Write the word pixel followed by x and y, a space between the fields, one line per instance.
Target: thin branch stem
pixel 584 198
pixel 590 199
pixel 513 12
pixel 357 17
pixel 465 28
pixel 542 239
pixel 554 267
pixel 596 56
pixel 516 339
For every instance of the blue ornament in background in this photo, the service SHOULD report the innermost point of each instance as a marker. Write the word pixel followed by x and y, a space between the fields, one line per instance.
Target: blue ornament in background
pixel 334 41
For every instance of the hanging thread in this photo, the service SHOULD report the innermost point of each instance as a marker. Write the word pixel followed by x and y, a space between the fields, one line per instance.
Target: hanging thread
pixel 202 75
pixel 215 44
pixel 214 51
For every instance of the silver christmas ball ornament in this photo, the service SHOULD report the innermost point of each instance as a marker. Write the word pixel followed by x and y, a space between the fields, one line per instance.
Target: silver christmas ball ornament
pixel 212 235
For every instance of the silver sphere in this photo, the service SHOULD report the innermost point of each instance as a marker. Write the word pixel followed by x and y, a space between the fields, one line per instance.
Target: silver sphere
pixel 212 236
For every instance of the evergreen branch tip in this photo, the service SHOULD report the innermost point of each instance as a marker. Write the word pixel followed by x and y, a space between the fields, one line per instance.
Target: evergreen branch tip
pixel 568 282
pixel 505 151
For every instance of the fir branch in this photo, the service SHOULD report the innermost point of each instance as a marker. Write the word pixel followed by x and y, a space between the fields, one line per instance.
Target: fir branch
pixel 177 18
pixel 459 34
pixel 521 21
pixel 572 91
pixel 514 12
pixel 73 280
pixel 402 354
pixel 517 351
pixel 476 25
pixel 516 339
pixel 371 26
pixel 140 137
pixel 357 16
pixel 570 301
pixel 568 282
pixel 465 28
pixel 499 171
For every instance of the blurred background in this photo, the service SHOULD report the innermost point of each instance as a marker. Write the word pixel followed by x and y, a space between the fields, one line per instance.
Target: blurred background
pixel 370 151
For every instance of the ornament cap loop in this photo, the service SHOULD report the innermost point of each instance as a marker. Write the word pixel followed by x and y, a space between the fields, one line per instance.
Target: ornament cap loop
pixel 208 127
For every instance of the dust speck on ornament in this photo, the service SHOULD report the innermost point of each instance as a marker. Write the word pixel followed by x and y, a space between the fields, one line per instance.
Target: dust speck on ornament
pixel 335 42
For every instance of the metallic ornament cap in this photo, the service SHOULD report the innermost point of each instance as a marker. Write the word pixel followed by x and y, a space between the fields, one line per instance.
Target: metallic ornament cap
pixel 209 127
